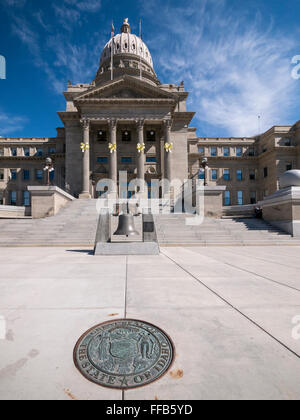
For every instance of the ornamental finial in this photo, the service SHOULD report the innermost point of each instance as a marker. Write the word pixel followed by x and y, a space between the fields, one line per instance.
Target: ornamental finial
pixel 126 27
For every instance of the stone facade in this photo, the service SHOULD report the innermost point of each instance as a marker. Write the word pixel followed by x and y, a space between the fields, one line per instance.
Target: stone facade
pixel 252 166
pixel 126 106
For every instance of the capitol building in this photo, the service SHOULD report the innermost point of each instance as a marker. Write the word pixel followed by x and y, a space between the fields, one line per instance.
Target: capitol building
pixel 126 120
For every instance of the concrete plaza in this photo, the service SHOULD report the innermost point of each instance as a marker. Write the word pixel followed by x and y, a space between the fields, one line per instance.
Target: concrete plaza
pixel 229 311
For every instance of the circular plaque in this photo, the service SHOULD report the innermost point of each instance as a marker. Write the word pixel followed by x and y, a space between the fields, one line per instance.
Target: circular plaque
pixel 124 354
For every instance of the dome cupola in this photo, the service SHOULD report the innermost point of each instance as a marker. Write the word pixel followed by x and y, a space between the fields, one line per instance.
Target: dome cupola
pixel 130 54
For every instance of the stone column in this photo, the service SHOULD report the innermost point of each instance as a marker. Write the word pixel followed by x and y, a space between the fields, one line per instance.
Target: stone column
pixel 141 156
pixel 168 155
pixel 86 160
pixel 113 158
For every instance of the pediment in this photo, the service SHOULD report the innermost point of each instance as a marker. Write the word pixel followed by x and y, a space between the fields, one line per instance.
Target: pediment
pixel 126 87
pixel 126 93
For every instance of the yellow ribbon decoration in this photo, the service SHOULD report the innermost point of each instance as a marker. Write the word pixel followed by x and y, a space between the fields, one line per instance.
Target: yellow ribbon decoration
pixel 84 147
pixel 168 147
pixel 112 147
pixel 141 147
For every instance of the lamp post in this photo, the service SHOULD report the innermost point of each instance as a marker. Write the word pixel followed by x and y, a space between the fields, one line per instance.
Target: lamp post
pixel 49 168
pixel 204 165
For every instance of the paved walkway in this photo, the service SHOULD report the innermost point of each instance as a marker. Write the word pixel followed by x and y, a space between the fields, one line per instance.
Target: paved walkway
pixel 228 310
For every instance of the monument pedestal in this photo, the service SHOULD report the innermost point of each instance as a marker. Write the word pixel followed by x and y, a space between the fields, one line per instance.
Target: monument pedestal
pixel 47 201
pixel 209 200
pixel 282 210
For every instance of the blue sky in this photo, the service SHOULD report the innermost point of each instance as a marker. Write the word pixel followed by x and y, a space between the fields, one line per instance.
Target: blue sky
pixel 234 56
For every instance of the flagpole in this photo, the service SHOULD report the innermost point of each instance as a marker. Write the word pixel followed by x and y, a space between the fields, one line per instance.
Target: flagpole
pixel 141 48
pixel 112 50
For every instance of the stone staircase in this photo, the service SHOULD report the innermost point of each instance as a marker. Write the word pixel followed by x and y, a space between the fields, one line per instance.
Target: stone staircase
pixel 173 230
pixel 74 225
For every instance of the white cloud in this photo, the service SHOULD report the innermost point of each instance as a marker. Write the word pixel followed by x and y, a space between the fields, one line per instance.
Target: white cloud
pixel 14 3
pixel 10 124
pixel 85 5
pixel 235 65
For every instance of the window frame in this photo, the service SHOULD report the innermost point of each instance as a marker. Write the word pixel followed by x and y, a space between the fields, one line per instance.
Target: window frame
pixel 212 153
pixel 239 175
pixel 225 149
pixel 26 171
pixel 226 175
pixel 239 151
pixel 227 196
pixel 240 198
pixel 214 171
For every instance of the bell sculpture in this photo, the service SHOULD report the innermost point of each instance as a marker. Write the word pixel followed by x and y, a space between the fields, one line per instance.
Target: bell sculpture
pixel 126 225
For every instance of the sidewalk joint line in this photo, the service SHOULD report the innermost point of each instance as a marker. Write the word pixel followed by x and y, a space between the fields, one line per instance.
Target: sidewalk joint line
pixel 233 307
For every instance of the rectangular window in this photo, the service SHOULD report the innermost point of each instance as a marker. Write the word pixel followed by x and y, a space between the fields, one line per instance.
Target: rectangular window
pixel 253 197
pixel 13 152
pixel 102 135
pixel 266 172
pixel 201 150
pixel 126 135
pixel 52 150
pixel 151 135
pixel 227 198
pixel 150 159
pixel 1 151
pixel 26 174
pixel 226 152
pixel 126 160
pixel 289 166
pixel 251 151
pixel 252 175
pixel 239 152
pixel 39 174
pixel 39 152
pixel 226 175
pixel 102 159
pixel 13 174
pixel 26 198
pixel 213 151
pixel 1 197
pixel 240 198
pixel 26 151
pixel 239 175
pixel 214 174
pixel 13 198
pixel 1 174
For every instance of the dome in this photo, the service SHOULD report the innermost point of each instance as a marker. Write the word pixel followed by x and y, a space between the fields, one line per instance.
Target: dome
pixel 290 179
pixel 126 43
pixel 129 53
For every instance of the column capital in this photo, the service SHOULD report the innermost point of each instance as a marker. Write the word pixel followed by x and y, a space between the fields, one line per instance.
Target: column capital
pixel 112 122
pixel 140 123
pixel 168 124
pixel 85 122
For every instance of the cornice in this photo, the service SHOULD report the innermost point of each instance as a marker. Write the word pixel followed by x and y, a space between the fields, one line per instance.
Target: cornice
pixel 183 116
pixel 31 158
pixel 227 158
pixel 125 101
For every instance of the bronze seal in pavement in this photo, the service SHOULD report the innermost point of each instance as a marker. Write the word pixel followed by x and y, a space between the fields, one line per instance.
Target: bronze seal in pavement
pixel 124 354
